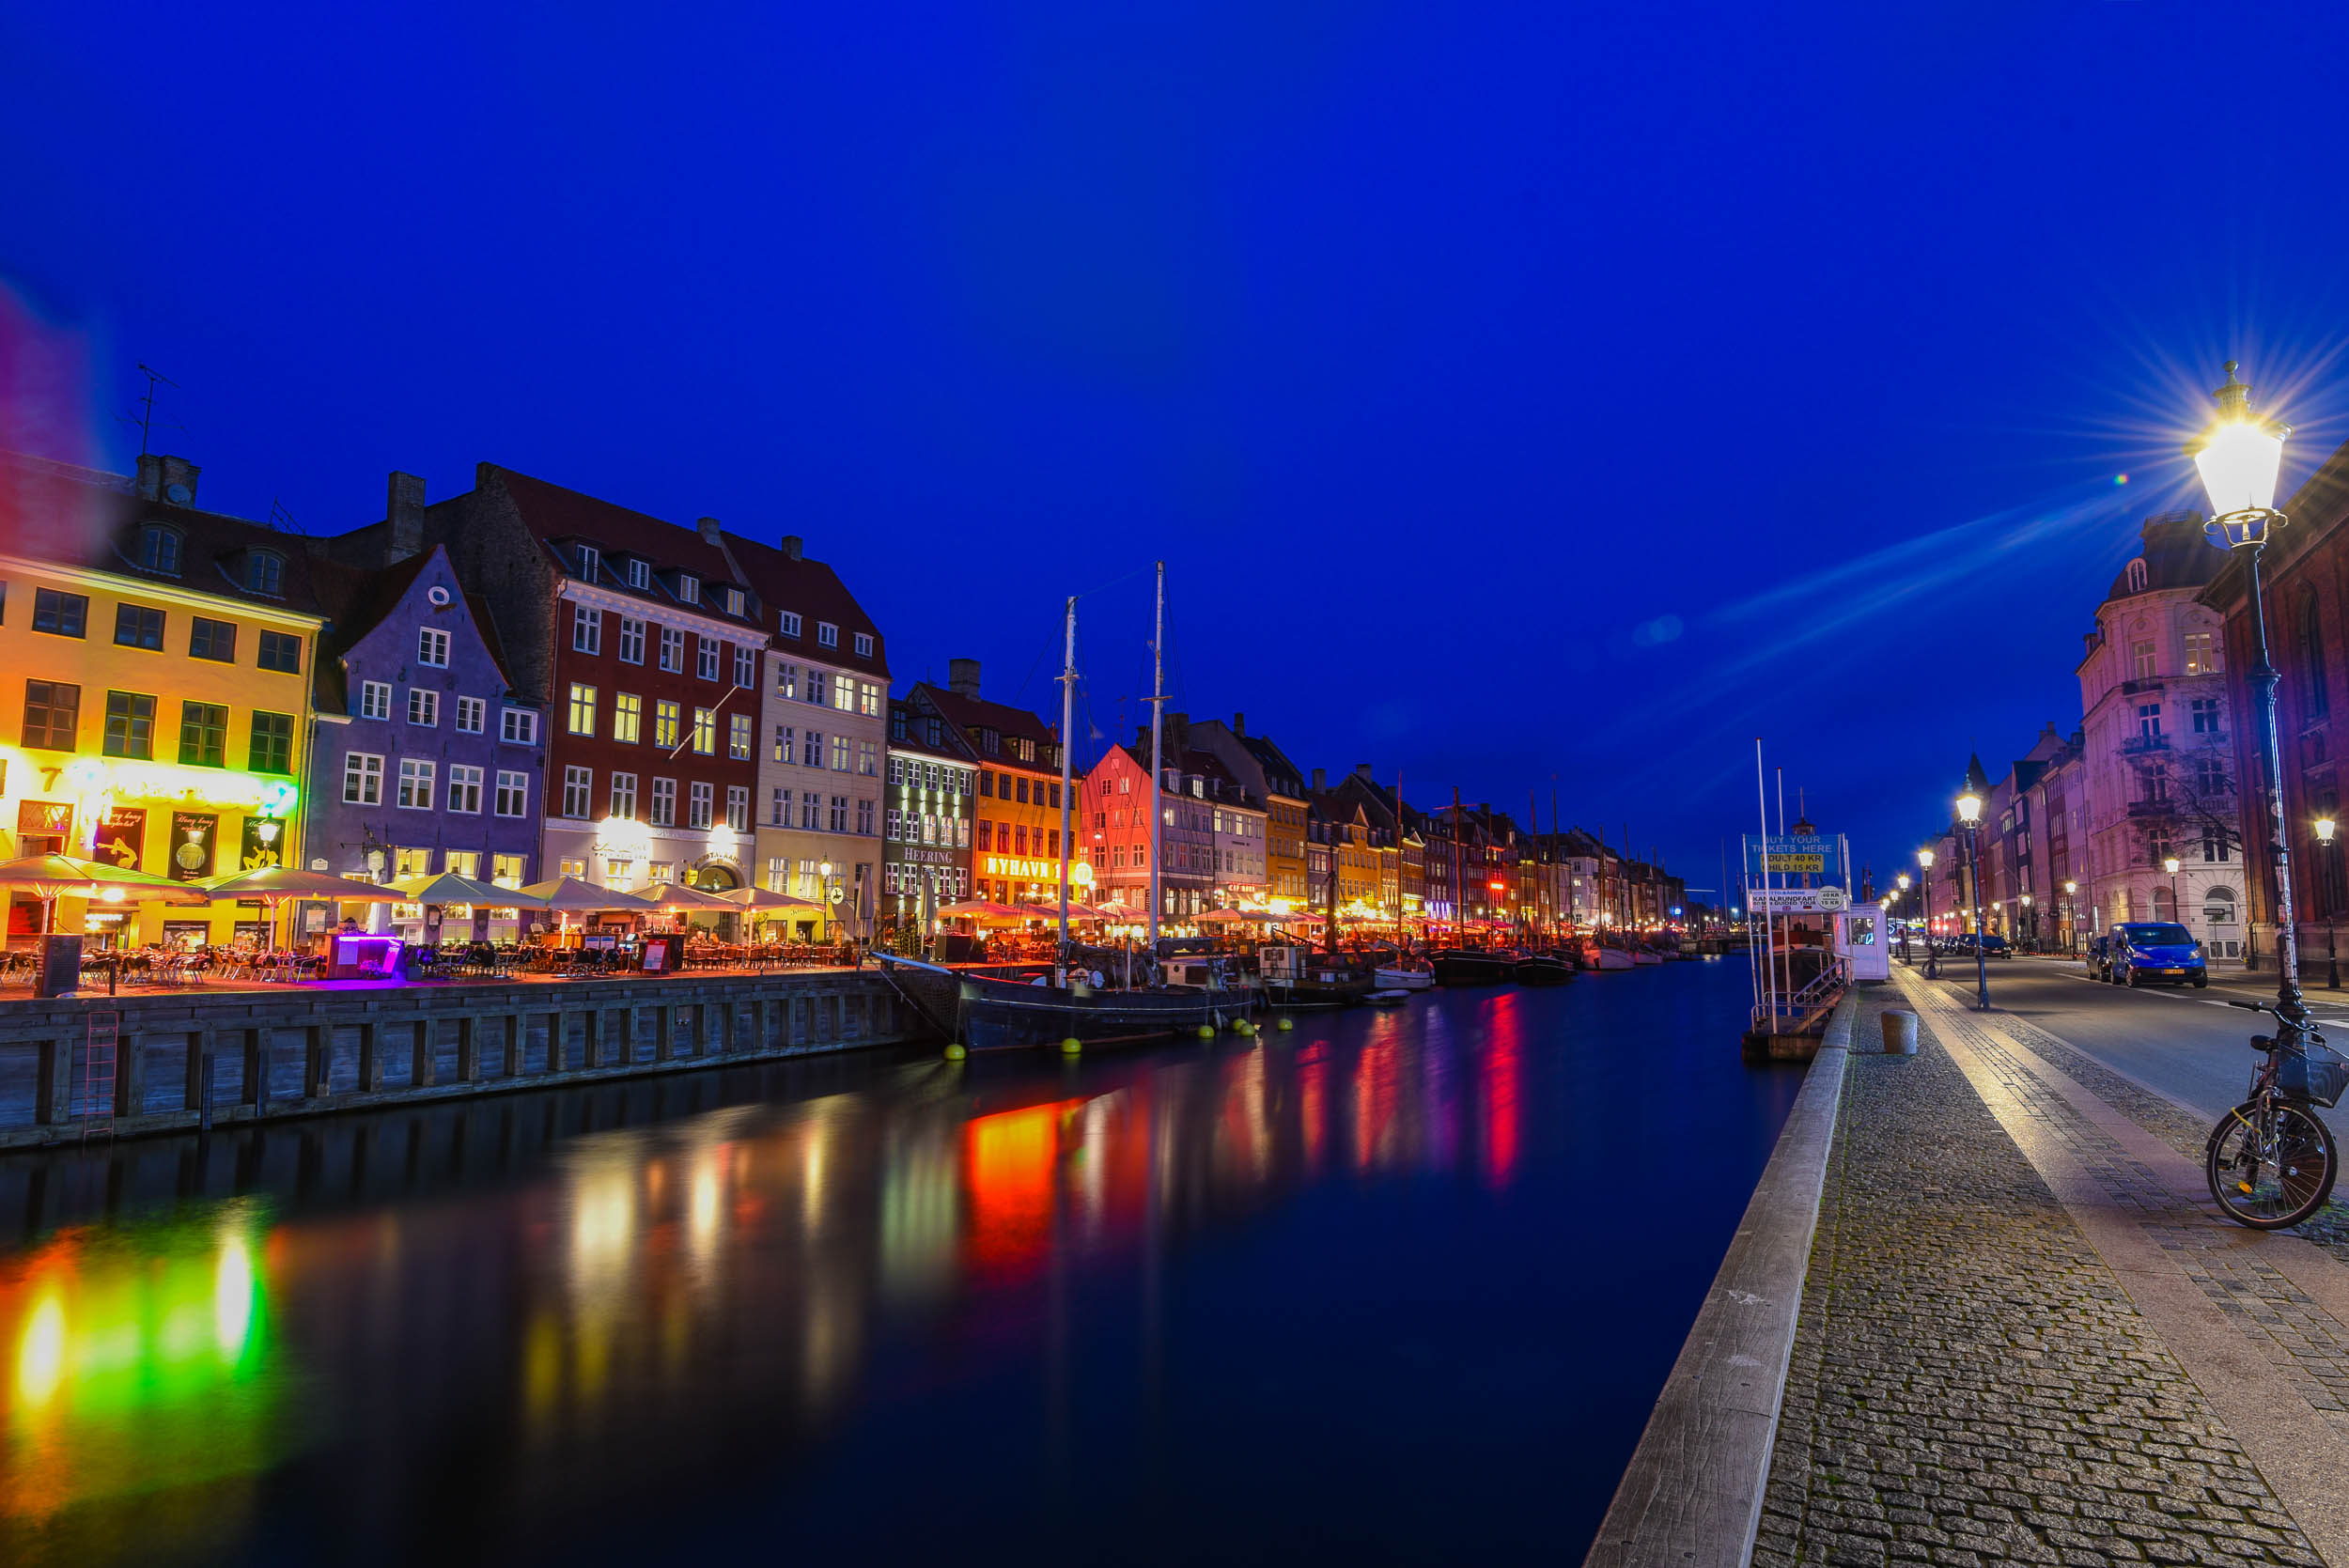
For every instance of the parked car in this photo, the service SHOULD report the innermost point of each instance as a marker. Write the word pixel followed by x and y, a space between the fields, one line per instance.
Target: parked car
pixel 2097 958
pixel 1994 946
pixel 2140 952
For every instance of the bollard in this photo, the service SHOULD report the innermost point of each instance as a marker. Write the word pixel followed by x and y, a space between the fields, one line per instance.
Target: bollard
pixel 1900 1032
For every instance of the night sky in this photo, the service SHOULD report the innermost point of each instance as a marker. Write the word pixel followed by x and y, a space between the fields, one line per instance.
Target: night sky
pixel 1511 391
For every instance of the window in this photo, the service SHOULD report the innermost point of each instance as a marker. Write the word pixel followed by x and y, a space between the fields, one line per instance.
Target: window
pixel 265 572
pixel 987 781
pixel 464 788
pixel 733 601
pixel 2210 776
pixel 664 802
pixel 817 691
pixel 513 798
pixel 865 644
pixel 986 835
pixel 2149 720
pixel 843 695
pixel 211 638
pixel 628 717
pixel 737 807
pixel 424 707
pixel 2316 695
pixel 786 679
pixel 280 650
pixel 704 732
pixel 578 783
pixel 362 779
pixel 811 812
pixel 705 651
pixel 590 561
pixel 991 740
pixel 60 615
pixel 473 715
pixel 779 809
pixel 865 817
pixel 462 863
pixel 745 667
pixel 624 796
pixel 689 588
pixel 672 650
pixel 840 753
pixel 271 750
pixel 519 727
pixel 1022 785
pixel 666 717
pixel 2141 659
pixel 868 757
pixel 582 709
pixel 639 574
pixel 432 647
pixel 130 725
pixel 415 784
pixel 789 621
pixel 783 742
pixel 203 735
pixel 2202 657
pixel 158 548
pixel 2205 710
pixel 826 635
pixel 2157 786
pixel 840 814
pixel 812 750
pixel 868 700
pixel 137 626
pixel 739 736
pixel 697 801
pixel 631 640
pixel 586 630
pixel 2215 849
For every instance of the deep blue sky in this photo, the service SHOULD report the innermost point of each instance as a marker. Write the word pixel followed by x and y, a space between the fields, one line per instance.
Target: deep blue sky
pixel 1504 386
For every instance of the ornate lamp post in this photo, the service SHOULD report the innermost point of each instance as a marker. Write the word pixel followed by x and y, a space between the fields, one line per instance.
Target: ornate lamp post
pixel 1924 870
pixel 2332 960
pixel 2030 923
pixel 1901 880
pixel 1969 812
pixel 2071 917
pixel 2170 865
pixel 2240 457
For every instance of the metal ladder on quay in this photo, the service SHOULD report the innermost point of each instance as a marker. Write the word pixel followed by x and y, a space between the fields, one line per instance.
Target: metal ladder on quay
pixel 98 1074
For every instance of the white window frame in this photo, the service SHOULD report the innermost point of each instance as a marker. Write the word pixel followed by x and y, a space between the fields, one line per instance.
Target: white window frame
pixel 788 622
pixel 639 574
pixel 579 783
pixel 432 647
pixel 631 649
pixel 740 738
pixel 689 588
pixel 745 667
pixel 706 658
pixel 739 807
pixel 623 788
pixel 673 650
pixel 473 715
pixel 733 601
pixel 586 630
pixel 826 635
pixel 375 699
pixel 464 788
pixel 572 704
pixel 865 644
pixel 363 770
pixel 664 809
pixel 519 727
pixel 424 707
pixel 590 561
pixel 514 792
pixel 415 784
pixel 700 801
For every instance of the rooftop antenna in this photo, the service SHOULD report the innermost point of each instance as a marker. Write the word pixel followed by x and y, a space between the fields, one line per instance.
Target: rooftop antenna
pixel 144 406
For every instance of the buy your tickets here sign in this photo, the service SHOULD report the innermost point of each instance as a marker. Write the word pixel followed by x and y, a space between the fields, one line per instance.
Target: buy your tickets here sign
pixel 1794 855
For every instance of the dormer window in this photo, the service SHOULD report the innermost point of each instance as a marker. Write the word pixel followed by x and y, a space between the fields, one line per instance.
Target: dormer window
pixel 158 548
pixel 590 561
pixel 789 620
pixel 2137 575
pixel 865 644
pixel 826 635
pixel 639 574
pixel 265 572
pixel 990 740
pixel 733 601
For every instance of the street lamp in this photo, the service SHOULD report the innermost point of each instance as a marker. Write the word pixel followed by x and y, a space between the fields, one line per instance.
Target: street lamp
pixel 2071 917
pixel 2240 459
pixel 2030 923
pixel 1924 878
pixel 2332 959
pixel 1901 880
pixel 1969 812
pixel 2170 865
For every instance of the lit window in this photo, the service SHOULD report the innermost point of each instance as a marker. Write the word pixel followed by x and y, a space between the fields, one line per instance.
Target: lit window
pixel 666 718
pixel 704 732
pixel 733 601
pixel 628 717
pixel 739 736
pixel 583 710
pixel 688 589
pixel 2202 657
pixel 786 680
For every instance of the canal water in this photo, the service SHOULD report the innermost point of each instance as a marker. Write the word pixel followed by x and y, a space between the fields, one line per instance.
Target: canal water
pixel 1399 1286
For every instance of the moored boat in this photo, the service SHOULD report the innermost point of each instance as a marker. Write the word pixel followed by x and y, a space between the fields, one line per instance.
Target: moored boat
pixel 1394 978
pixel 1473 966
pixel 1542 969
pixel 987 1014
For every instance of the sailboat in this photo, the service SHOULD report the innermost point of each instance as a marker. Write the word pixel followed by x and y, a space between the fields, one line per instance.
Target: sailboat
pixel 1073 1003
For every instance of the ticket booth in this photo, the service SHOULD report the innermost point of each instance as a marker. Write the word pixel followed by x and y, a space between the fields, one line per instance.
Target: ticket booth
pixel 1862 937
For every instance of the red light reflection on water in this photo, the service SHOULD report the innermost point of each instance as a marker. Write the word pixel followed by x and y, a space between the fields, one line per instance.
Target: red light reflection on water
pixel 1008 1163
pixel 1497 1086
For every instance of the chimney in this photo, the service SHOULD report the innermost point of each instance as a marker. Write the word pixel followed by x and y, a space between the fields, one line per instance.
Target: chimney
pixel 166 479
pixel 1362 772
pixel 1321 778
pixel 791 552
pixel 403 508
pixel 962 675
pixel 708 528
pixel 1175 734
pixel 1239 725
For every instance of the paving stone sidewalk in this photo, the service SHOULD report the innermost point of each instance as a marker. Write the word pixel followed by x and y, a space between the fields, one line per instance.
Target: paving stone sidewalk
pixel 1970 1384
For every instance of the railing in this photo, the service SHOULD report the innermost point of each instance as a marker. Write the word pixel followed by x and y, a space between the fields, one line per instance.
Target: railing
pixel 1814 999
pixel 2136 745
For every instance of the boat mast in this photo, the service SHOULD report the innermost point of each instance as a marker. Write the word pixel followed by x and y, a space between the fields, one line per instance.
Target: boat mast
pixel 1068 800
pixel 1158 767
pixel 1459 875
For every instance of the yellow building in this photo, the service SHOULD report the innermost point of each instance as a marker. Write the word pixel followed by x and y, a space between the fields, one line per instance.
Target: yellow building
pixel 156 706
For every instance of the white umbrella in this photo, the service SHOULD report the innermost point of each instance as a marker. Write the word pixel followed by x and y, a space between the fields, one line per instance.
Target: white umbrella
pixel 448 888
pixel 569 895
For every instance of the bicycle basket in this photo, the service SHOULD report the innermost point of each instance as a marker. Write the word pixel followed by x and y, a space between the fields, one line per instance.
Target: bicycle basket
pixel 2318 1075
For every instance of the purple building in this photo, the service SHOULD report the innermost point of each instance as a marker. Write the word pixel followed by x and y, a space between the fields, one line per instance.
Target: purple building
pixel 425 760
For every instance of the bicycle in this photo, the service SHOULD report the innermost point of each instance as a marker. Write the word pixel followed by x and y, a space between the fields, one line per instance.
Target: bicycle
pixel 2271 1160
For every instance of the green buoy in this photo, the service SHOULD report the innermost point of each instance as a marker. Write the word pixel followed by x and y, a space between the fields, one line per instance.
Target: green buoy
pixel 1071 1046
pixel 1207 1031
pixel 1283 1025
pixel 955 1053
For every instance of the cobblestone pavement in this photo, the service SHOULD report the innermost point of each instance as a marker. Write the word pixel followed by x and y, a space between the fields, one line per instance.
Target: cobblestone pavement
pixel 1971 1382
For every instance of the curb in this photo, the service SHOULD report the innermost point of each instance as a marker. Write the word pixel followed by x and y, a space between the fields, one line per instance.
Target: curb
pixel 1691 1497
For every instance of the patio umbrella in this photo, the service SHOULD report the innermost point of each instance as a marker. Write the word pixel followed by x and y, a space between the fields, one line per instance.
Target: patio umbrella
pixel 449 888
pixel 990 911
pixel 569 895
pixel 679 896
pixel 49 877
pixel 1234 917
pixel 273 885
pixel 767 898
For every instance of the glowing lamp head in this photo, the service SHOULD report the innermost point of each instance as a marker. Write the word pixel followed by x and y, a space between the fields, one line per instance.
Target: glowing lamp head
pixel 1924 859
pixel 2170 865
pixel 2026 901
pixel 823 868
pixel 1901 880
pixel 1969 808
pixel 2325 826
pixel 2240 457
pixel 2070 888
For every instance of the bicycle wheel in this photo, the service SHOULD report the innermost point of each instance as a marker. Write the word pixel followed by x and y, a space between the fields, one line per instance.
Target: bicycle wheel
pixel 2270 1170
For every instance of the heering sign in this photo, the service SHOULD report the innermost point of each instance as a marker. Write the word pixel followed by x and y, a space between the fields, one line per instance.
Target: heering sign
pixel 914 854
pixel 1027 871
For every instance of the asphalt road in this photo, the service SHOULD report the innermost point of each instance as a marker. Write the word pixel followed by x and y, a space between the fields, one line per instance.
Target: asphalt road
pixel 2184 1043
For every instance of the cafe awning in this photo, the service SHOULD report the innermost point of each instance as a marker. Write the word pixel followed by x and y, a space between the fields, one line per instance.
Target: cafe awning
pixel 447 888
pixel 276 884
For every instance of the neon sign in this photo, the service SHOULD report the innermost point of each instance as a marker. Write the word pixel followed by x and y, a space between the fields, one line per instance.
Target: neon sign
pixel 1027 870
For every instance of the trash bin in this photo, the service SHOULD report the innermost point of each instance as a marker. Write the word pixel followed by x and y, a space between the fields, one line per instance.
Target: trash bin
pixel 1900 1032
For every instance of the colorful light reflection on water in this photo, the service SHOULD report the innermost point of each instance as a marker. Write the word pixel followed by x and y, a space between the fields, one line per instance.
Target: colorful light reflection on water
pixel 1289 1292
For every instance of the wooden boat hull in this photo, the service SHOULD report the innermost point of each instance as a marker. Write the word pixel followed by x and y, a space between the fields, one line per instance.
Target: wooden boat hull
pixel 1461 968
pixel 1403 979
pixel 1000 1015
pixel 1543 970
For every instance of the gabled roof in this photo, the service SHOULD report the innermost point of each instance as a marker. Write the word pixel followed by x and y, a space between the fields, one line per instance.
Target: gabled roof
pixel 814 592
pixel 557 517
pixel 954 745
pixel 1282 776
pixel 973 713
pixel 357 601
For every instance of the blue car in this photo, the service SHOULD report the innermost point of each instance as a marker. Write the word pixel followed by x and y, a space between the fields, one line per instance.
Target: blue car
pixel 2140 952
